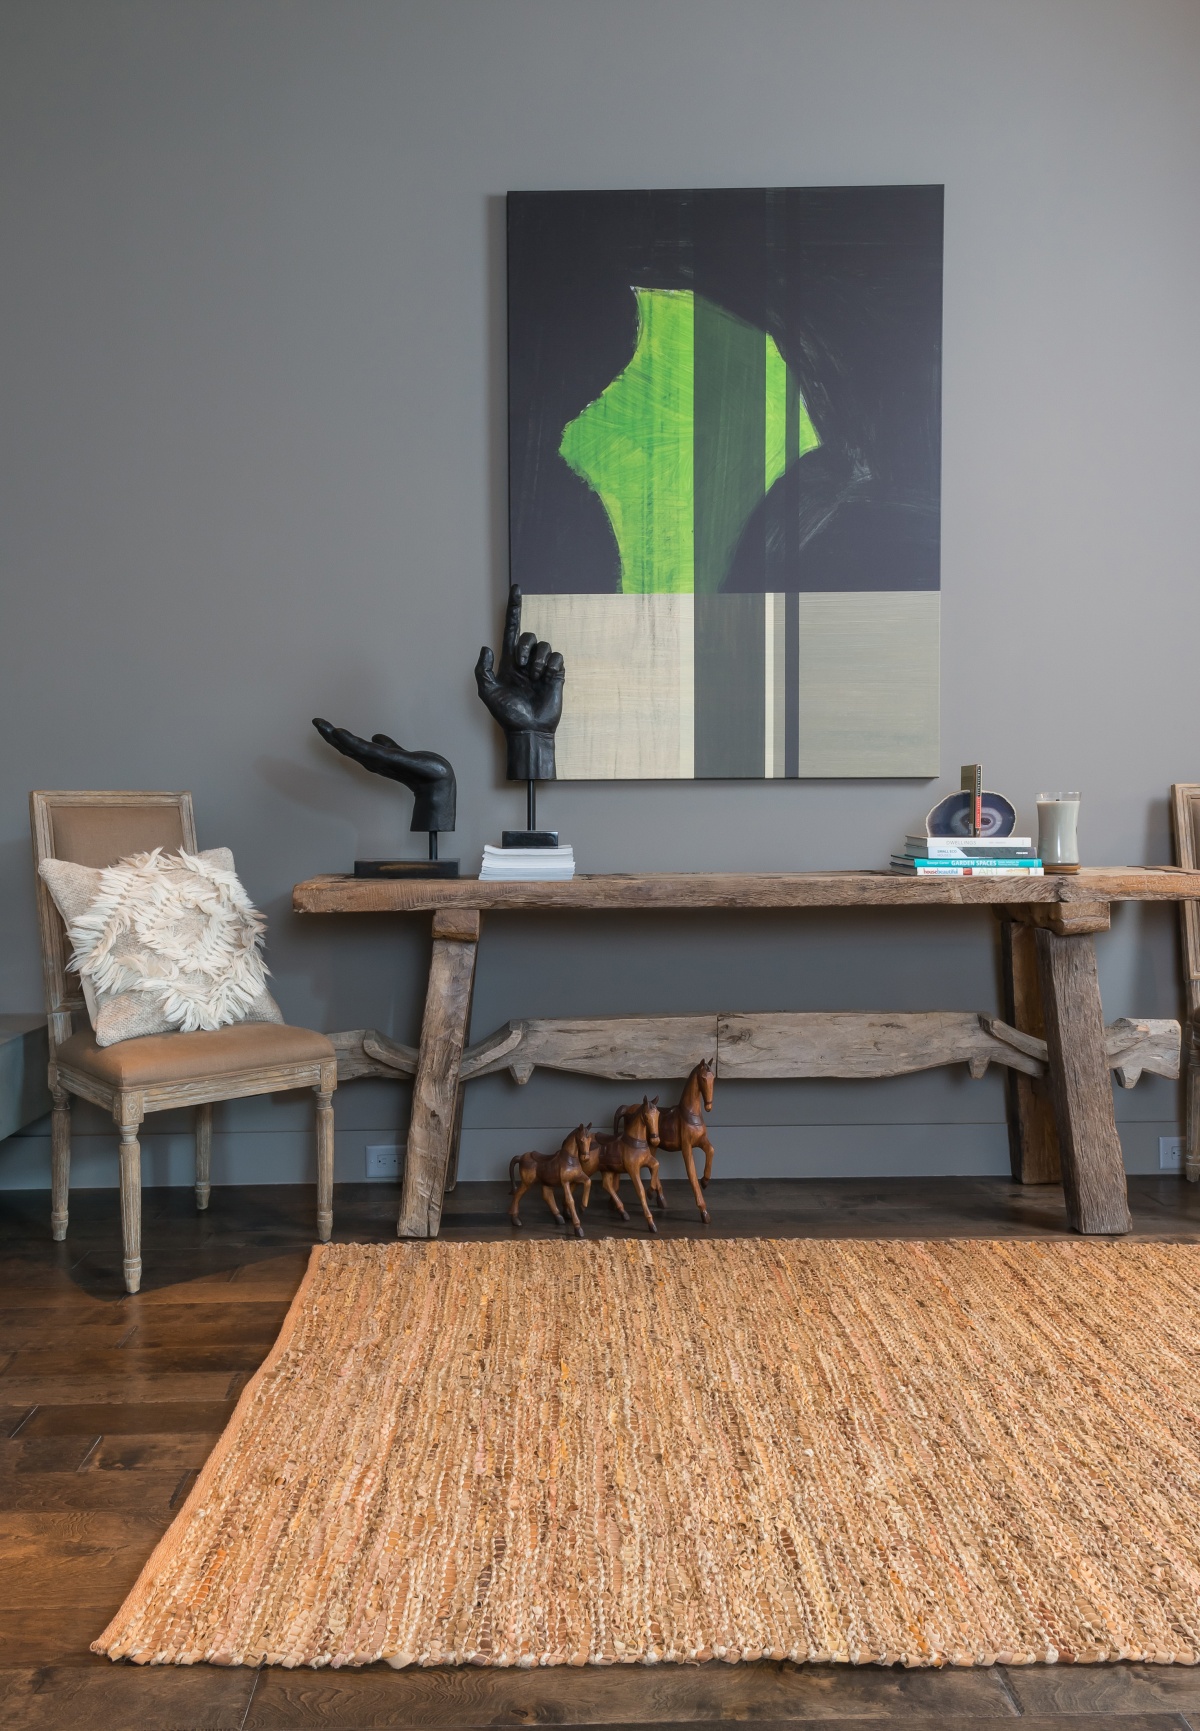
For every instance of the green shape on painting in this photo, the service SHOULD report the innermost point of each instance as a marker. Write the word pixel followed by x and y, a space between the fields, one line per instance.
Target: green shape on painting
pixel 687 440
pixel 633 446
pixel 775 384
pixel 789 429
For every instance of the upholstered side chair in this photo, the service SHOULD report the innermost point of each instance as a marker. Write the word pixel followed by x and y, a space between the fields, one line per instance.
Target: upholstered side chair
pixel 1185 812
pixel 157 1071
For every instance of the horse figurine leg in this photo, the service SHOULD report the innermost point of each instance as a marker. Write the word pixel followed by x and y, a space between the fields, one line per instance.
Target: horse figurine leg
pixel 551 1204
pixel 689 1161
pixel 656 1189
pixel 610 1181
pixel 633 1167
pixel 525 1185
pixel 569 1203
pixel 709 1151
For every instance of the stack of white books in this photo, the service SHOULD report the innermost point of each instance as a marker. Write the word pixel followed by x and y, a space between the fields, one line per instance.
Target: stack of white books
pixel 527 864
pixel 968 856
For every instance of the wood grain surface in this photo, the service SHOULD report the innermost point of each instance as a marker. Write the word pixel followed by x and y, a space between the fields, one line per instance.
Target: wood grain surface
pixel 1033 1137
pixel 434 1118
pixel 623 1048
pixel 863 1044
pixel 1092 1164
pixel 768 1044
pixel 851 889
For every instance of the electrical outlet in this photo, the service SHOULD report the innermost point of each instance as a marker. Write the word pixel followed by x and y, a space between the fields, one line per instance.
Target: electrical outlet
pixel 383 1159
pixel 1170 1153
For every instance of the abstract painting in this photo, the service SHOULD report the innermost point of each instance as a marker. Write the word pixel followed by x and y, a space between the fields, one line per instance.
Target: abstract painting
pixel 725 460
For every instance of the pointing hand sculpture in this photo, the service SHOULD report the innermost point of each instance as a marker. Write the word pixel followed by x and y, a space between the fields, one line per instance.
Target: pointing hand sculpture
pixel 524 695
pixel 429 776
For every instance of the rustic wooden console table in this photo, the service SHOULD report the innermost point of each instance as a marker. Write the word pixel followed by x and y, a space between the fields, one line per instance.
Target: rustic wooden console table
pixel 1053 1043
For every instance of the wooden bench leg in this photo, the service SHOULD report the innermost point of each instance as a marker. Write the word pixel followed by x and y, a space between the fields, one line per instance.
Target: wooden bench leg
pixel 1032 1136
pixel 1093 1169
pixel 436 1087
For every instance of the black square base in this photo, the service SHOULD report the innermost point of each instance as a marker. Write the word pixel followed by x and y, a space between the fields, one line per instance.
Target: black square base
pixel 529 838
pixel 406 868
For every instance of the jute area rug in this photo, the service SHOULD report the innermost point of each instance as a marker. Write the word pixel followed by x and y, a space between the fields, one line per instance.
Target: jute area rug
pixel 622 1450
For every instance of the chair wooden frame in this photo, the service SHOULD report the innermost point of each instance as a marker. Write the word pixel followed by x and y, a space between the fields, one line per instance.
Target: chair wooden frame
pixel 1185 815
pixel 130 1105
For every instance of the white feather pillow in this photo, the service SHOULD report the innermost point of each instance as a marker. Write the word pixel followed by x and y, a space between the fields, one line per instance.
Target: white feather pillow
pixel 163 943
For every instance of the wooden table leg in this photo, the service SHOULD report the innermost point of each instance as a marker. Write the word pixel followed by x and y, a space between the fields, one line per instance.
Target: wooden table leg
pixel 1191 1161
pixel 456 1126
pixel 436 1087
pixel 455 1136
pixel 1092 1166
pixel 1032 1136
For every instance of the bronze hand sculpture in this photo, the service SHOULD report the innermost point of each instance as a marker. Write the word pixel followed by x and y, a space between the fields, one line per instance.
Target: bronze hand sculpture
pixel 524 695
pixel 428 775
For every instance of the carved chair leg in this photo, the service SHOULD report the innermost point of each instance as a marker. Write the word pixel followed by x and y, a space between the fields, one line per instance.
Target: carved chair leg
pixel 131 1203
pixel 1192 1157
pixel 324 1165
pixel 204 1119
pixel 60 1162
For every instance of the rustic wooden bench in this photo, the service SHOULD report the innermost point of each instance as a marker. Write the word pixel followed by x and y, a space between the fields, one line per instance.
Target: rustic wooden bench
pixel 1052 1041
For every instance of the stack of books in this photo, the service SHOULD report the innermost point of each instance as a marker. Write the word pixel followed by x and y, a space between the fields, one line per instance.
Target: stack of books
pixel 964 857
pixel 527 864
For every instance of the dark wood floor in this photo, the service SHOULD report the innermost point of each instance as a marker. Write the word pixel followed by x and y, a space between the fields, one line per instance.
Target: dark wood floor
pixel 109 1406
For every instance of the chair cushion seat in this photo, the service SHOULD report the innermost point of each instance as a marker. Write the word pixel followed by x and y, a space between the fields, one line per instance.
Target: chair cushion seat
pixel 191 1057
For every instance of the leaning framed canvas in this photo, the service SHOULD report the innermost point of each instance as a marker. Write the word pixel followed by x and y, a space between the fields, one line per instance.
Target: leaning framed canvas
pixel 725 452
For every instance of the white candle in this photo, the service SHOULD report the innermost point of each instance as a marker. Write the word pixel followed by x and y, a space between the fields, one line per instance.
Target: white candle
pixel 1058 830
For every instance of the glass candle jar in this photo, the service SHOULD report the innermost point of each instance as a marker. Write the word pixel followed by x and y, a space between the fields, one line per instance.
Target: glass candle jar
pixel 1058 831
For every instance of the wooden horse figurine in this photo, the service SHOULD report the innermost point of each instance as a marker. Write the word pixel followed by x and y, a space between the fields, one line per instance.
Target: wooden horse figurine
pixel 626 1151
pixel 557 1171
pixel 682 1128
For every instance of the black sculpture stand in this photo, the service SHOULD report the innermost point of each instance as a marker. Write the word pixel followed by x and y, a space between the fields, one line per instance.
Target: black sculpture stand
pixel 405 868
pixel 533 836
pixel 524 695
pixel 429 777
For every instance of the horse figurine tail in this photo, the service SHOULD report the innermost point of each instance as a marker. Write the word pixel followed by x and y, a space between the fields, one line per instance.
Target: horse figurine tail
pixel 512 1172
pixel 619 1121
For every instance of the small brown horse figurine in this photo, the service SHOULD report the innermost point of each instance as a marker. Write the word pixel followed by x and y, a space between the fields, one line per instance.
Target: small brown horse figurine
pixel 682 1128
pixel 556 1171
pixel 627 1150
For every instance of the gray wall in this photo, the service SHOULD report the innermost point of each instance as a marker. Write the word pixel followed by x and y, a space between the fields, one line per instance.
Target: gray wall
pixel 254 470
